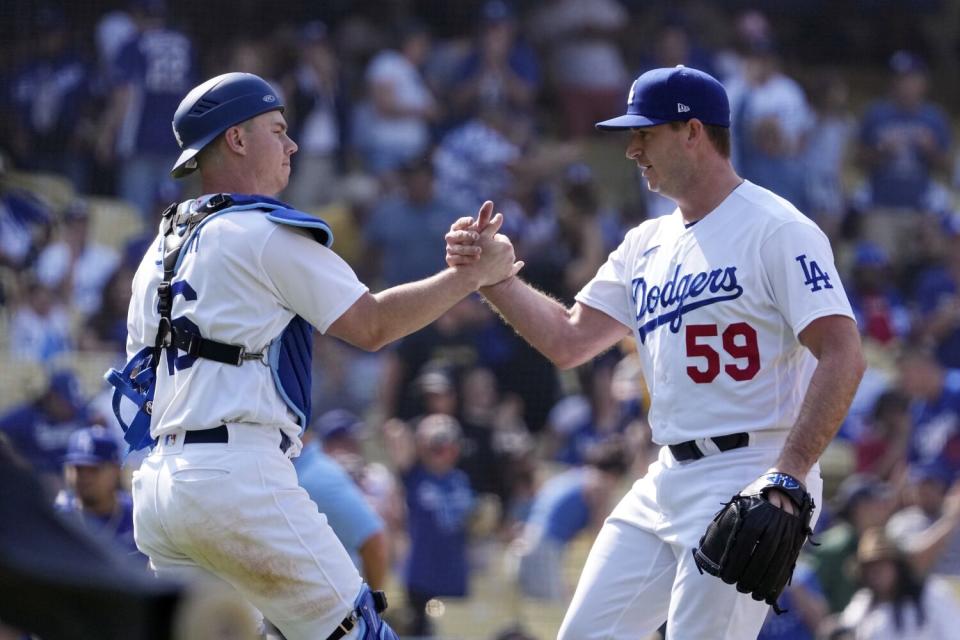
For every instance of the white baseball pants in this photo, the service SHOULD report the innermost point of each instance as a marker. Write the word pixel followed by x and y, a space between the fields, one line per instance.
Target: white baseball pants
pixel 640 571
pixel 235 510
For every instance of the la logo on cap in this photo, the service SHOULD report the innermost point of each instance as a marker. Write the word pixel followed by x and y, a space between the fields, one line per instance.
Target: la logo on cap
pixel 682 108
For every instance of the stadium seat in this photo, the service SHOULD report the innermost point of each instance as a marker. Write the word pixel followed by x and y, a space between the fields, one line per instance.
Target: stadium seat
pixel 20 380
pixel 113 222
pixel 54 189
pixel 89 366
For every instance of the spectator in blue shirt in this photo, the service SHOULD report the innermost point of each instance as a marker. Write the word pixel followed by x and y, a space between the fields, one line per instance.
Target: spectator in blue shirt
pixel 50 98
pixel 337 496
pixel 904 141
pixel 935 394
pixel 938 298
pixel 904 138
pixel 877 305
pixel 439 505
pixel 565 506
pixel 803 605
pixel 39 431
pixel 403 228
pixel 93 495
pixel 500 69
pixel 151 74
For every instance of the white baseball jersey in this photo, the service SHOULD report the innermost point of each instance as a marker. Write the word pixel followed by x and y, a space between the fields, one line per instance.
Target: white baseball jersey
pixel 716 309
pixel 240 284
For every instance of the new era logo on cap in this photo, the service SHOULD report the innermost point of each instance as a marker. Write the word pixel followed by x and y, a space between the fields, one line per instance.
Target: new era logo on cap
pixel 673 94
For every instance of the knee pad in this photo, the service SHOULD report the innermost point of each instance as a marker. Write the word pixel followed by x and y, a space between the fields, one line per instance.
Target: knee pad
pixel 370 626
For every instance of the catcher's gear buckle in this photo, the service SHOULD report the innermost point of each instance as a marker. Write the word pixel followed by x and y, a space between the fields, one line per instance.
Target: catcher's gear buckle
pixel 260 356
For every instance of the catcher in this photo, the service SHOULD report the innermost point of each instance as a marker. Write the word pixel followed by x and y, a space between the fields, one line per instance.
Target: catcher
pixel 751 356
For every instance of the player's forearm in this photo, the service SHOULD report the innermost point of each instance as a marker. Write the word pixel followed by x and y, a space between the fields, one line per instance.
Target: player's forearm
pixel 374 555
pixel 930 544
pixel 409 307
pixel 538 318
pixel 825 405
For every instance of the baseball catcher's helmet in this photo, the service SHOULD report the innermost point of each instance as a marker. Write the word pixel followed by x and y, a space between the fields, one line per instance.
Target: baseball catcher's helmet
pixel 213 107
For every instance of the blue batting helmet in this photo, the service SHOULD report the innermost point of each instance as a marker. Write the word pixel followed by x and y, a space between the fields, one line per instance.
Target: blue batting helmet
pixel 213 107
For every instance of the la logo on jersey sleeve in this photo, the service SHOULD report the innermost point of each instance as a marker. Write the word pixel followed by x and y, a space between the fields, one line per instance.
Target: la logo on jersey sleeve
pixel 813 276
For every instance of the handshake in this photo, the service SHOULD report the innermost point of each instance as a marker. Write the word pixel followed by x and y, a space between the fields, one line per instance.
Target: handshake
pixel 476 249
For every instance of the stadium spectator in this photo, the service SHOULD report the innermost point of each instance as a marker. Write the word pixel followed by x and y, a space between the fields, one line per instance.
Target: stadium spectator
pixel 404 256
pixel 803 605
pixel 75 266
pixel 862 503
pixel 40 324
pixel 938 299
pixel 93 494
pixel 580 421
pixel 565 506
pixel 320 110
pixel 393 127
pixel 828 145
pixel 880 310
pixel 106 328
pixel 40 429
pixel 26 225
pixel 475 161
pixel 934 392
pixel 895 602
pixel 51 99
pixel 150 75
pixel 904 140
pixel 881 450
pixel 494 434
pixel 338 497
pixel 928 530
pixel 586 68
pixel 770 118
pixel 439 504
pixel 500 69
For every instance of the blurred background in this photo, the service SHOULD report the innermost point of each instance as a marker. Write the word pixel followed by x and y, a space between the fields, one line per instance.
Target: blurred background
pixel 408 115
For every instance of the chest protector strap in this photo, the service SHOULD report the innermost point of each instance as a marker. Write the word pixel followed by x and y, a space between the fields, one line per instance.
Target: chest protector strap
pixel 289 355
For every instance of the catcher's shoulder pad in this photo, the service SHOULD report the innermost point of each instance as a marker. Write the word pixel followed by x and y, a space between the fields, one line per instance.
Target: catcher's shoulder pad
pixel 318 228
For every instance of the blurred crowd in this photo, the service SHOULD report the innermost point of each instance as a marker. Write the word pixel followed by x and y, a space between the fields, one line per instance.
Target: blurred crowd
pixel 460 440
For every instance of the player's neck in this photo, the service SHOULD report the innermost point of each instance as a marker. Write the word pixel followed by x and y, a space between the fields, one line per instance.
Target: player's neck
pixel 232 182
pixel 712 187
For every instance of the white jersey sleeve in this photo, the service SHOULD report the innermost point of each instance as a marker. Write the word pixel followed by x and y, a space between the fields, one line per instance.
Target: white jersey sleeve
pixel 608 290
pixel 320 288
pixel 800 272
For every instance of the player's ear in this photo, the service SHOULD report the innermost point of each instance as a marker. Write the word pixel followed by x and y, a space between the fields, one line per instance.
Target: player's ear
pixel 695 131
pixel 235 140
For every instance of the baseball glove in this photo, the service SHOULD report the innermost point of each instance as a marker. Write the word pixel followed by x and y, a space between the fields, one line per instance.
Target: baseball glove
pixel 752 543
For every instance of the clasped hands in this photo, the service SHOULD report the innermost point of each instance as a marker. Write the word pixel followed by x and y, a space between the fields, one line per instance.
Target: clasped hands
pixel 474 246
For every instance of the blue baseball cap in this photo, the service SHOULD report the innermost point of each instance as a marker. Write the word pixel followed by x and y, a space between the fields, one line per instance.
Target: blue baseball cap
pixel 673 94
pixel 92 446
pixel 338 422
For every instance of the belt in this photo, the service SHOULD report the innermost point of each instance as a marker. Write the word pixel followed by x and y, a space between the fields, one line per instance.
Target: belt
pixel 694 449
pixel 348 623
pixel 221 434
pixel 346 626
